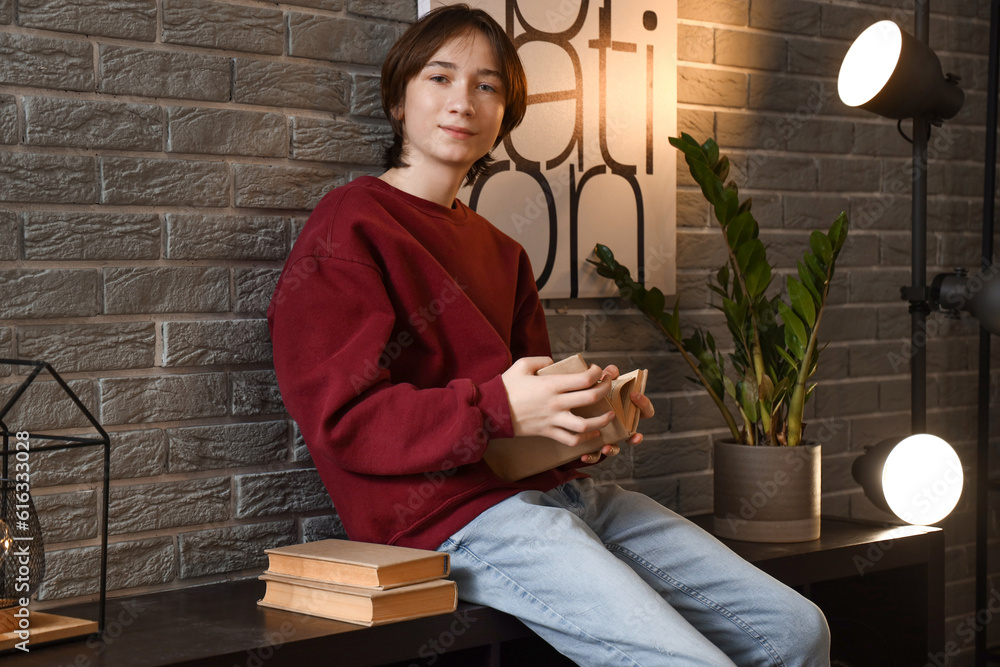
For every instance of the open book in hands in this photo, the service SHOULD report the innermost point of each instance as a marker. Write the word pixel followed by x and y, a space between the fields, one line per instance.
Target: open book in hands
pixel 522 456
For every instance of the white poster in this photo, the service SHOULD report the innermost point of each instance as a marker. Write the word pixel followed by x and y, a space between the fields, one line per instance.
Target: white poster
pixel 591 162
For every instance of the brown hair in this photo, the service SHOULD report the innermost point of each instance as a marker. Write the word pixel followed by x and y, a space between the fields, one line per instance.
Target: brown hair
pixel 420 42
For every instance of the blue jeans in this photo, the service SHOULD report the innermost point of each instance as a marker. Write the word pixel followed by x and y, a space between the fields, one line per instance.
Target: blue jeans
pixel 611 577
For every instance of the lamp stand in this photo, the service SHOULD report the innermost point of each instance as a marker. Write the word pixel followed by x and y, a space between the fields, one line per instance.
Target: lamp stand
pixel 983 655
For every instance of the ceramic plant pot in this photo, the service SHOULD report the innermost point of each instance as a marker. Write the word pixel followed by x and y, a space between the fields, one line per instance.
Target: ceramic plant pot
pixel 767 494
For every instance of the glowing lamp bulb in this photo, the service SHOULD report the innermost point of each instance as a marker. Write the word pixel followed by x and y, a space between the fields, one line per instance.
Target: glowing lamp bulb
pixel 922 479
pixel 869 63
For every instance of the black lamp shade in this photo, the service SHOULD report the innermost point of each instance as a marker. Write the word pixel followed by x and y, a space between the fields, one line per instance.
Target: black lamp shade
pixel 891 73
pixel 978 295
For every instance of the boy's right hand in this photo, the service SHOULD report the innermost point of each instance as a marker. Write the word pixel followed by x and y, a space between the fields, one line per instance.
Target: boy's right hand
pixel 540 405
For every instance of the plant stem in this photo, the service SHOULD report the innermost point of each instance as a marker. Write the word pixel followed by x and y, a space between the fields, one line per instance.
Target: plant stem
pixel 734 429
pixel 797 401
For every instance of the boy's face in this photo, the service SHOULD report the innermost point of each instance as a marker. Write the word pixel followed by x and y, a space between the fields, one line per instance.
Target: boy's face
pixel 453 107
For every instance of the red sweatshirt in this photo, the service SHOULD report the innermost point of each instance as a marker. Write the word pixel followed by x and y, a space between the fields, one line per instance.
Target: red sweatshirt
pixel 391 324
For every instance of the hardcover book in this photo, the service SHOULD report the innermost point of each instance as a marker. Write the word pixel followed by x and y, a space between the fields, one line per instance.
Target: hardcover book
pixel 515 458
pixel 352 604
pixel 377 566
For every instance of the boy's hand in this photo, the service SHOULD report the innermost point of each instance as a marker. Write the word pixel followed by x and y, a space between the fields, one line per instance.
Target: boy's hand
pixel 540 405
pixel 645 412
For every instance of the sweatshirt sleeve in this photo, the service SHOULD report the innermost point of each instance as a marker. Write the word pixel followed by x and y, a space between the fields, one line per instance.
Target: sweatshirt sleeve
pixel 329 329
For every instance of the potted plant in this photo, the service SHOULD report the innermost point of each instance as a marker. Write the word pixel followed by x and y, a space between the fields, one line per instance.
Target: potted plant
pixel 766 476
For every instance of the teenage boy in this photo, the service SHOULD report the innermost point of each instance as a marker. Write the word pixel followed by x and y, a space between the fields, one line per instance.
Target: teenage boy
pixel 407 331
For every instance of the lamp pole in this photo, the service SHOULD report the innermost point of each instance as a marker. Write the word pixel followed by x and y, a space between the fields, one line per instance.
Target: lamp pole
pixel 983 411
pixel 917 294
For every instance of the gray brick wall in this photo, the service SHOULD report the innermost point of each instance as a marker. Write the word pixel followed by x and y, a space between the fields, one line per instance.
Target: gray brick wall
pixel 158 158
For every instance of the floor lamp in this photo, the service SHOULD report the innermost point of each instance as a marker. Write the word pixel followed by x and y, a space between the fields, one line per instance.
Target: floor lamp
pixel 893 74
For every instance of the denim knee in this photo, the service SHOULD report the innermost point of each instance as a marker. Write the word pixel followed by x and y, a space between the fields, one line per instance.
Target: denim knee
pixel 810 645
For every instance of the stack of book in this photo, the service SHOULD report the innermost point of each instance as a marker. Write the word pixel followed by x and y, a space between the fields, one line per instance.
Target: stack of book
pixel 358 582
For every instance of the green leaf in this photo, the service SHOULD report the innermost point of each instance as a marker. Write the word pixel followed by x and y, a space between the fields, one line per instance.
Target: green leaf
pixel 745 206
pixel 818 270
pixel 729 386
pixel 787 357
pixel 758 277
pixel 741 229
pixel 838 233
pixel 796 337
pixel 722 169
pixel 723 276
pixel 748 254
pixel 809 281
pixel 711 151
pixel 653 302
pixel 726 206
pixel 821 246
pixel 802 302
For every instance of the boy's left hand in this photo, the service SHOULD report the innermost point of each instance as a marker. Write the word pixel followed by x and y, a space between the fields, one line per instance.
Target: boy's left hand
pixel 645 412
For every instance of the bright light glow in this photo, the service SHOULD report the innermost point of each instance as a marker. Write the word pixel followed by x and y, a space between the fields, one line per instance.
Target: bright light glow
pixel 869 63
pixel 922 479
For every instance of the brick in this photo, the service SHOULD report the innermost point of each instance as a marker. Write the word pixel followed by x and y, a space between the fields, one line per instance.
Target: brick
pixel 133 454
pixel 10 233
pixel 211 343
pixel 127 70
pixel 44 405
pixel 223 26
pixel 885 211
pixel 774 92
pixel 41 62
pixel 227 446
pixel 894 248
pixel 695 44
pixel 322 528
pixel 56 179
pixel 339 141
pixel 76 236
pixel 226 237
pixel 692 210
pixel 752 131
pixel 35 293
pixel 255 393
pixel 129 19
pixel 711 87
pixel 793 16
pixel 173 289
pixel 266 186
pixel 396 10
pixel 701 249
pixel 846 23
pixel 366 97
pixel 750 49
pixel 89 347
pixel 672 455
pixel 819 136
pixel 232 548
pixel 148 182
pixel 697 123
pixel 694 493
pixel 836 473
pixel 6 11
pixel 813 211
pixel 272 493
pixel 68 516
pixel 852 397
pixel 8 120
pixel 329 5
pixel 877 286
pixel 140 507
pixel 340 39
pixel 226 132
pixel 732 12
pixel 6 338
pixel 132 400
pixel 567 333
pixel 968 36
pixel 624 332
pixel 694 411
pixel 847 323
pixel 785 173
pixel 73 572
pixel 290 85
pixel 254 288
pixel 882 358
pixel 815 58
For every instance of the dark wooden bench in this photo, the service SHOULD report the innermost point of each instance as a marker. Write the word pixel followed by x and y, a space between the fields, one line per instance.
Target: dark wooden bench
pixel 882 590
